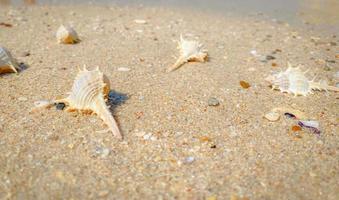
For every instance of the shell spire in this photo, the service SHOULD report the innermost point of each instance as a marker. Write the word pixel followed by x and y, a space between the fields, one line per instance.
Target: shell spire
pixel 7 62
pixel 89 93
pixel 67 35
pixel 190 51
pixel 294 81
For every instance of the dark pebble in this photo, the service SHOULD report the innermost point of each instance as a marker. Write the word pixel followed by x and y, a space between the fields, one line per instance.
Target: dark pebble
pixel 269 57
pixel 60 106
pixel 213 146
pixel 290 115
pixel 213 102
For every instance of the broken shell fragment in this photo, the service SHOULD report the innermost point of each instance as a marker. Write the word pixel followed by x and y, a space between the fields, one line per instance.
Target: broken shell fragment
pixel 272 116
pixel 7 62
pixel 89 94
pixel 67 35
pixel 312 125
pixel 190 51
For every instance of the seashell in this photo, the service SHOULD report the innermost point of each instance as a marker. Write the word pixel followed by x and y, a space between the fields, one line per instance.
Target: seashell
pixel 7 62
pixel 272 116
pixel 294 81
pixel 67 35
pixel 89 94
pixel 190 51
pixel 310 124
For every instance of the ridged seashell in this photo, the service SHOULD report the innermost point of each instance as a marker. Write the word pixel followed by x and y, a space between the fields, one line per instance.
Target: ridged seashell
pixel 89 93
pixel 7 63
pixel 189 51
pixel 67 35
pixel 294 81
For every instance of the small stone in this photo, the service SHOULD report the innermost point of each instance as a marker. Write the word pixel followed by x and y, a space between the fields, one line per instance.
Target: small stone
pixel 105 152
pixel 244 84
pixel 22 99
pixel 147 136
pixel 213 102
pixel 272 116
pixel 296 128
pixel 60 106
pixel 274 64
pixel 204 139
pixel 124 69
pixel 189 160
pixel 269 57
pixel 337 56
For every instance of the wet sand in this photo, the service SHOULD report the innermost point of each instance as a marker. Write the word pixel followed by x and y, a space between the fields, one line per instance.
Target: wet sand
pixel 175 146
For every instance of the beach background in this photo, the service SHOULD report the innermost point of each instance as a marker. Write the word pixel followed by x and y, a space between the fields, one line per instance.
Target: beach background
pixel 195 133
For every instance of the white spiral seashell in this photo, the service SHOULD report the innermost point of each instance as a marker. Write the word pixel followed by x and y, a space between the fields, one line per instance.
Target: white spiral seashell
pixel 294 81
pixel 89 91
pixel 7 62
pixel 67 35
pixel 189 51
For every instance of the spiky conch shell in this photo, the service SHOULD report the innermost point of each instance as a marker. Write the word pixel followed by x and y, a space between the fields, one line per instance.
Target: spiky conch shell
pixel 189 51
pixel 7 62
pixel 89 94
pixel 294 81
pixel 67 35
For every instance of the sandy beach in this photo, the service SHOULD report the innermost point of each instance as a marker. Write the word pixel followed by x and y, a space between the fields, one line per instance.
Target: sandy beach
pixel 176 145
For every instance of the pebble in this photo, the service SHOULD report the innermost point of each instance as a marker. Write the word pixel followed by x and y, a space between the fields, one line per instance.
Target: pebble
pixel 244 84
pixel 60 106
pixel 140 134
pixel 272 116
pixel 269 57
pixel 189 160
pixel 213 102
pixel 124 69
pixel 103 152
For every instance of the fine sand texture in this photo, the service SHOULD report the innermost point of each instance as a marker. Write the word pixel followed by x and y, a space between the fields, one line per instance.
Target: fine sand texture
pixel 176 145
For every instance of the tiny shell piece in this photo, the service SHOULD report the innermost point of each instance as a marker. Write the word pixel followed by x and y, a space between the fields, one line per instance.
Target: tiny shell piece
pixel 89 94
pixel 67 35
pixel 272 116
pixel 190 51
pixel 7 62
pixel 140 21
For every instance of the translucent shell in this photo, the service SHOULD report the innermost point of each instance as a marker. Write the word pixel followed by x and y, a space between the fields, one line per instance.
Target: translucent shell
pixel 294 81
pixel 189 51
pixel 7 63
pixel 67 35
pixel 89 93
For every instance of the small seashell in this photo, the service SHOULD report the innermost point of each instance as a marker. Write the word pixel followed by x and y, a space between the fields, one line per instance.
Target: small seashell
pixel 312 125
pixel 89 93
pixel 190 51
pixel 67 35
pixel 7 62
pixel 272 116
pixel 294 81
